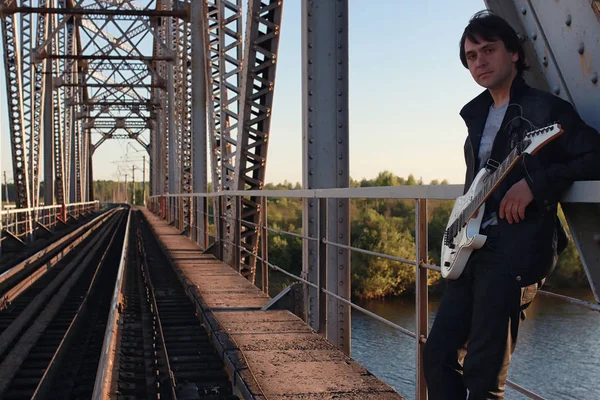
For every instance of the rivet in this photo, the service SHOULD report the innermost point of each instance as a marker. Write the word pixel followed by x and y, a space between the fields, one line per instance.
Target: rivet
pixel 312 220
pixel 310 125
pixel 568 20
pixel 340 15
pixel 340 220
pixel 311 140
pixel 341 267
pixel 339 46
pixel 339 110
pixel 556 90
pixel 534 36
pixel 519 278
pixel 340 30
pixel 311 172
pixel 341 283
pixel 310 61
pixel 340 62
pixel 340 125
pixel 310 45
pixel 339 93
pixel 310 77
pixel 340 157
pixel 520 37
pixel 523 11
pixel 545 62
pixel 340 204
pixel 310 29
pixel 311 157
pixel 310 203
pixel 340 252
pixel 310 14
pixel 310 93
pixel 310 109
pixel 340 236
pixel 340 141
pixel 595 78
pixel 581 48
pixel 341 172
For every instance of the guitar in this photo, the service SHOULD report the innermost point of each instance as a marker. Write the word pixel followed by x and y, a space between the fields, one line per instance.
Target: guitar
pixel 462 232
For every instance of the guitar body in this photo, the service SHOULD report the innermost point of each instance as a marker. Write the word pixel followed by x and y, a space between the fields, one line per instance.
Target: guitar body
pixel 462 232
pixel 453 260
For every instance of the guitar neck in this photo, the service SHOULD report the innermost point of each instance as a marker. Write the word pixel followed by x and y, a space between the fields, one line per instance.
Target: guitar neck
pixel 490 184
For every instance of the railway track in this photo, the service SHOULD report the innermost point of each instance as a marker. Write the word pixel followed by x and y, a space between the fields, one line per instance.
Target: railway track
pixel 165 352
pixel 103 316
pixel 40 323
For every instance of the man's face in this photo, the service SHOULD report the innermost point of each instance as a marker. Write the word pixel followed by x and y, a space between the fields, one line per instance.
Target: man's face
pixel 490 64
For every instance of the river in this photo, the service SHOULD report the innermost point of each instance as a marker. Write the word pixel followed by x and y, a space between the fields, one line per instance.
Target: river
pixel 557 354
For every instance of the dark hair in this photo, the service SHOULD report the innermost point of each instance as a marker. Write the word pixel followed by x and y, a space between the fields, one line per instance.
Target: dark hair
pixel 491 27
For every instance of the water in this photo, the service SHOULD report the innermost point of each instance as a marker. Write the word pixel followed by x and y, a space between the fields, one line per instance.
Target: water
pixel 557 354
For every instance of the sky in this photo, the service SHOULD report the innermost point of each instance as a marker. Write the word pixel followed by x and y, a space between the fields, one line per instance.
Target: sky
pixel 406 87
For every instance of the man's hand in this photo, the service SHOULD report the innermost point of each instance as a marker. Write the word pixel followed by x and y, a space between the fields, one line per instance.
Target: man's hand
pixel 514 202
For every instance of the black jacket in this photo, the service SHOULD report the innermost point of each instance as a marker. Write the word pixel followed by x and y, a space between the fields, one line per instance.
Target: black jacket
pixel 531 245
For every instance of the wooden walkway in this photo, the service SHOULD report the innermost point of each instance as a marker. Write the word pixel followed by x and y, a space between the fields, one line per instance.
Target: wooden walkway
pixel 271 355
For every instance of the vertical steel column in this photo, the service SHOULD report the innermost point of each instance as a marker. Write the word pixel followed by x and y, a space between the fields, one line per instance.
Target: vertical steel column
pixel 325 161
pixel 265 245
pixel 48 124
pixel 421 295
pixel 199 161
pixel 173 175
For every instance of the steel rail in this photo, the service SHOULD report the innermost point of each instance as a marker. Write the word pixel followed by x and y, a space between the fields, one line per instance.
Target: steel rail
pixel 102 385
pixel 50 299
pixel 50 372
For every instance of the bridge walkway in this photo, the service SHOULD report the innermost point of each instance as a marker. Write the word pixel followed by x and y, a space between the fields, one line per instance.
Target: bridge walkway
pixel 270 354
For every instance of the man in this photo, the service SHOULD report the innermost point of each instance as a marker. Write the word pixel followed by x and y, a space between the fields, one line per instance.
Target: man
pixel 475 330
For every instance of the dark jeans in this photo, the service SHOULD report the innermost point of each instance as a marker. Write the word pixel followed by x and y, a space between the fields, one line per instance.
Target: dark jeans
pixel 475 330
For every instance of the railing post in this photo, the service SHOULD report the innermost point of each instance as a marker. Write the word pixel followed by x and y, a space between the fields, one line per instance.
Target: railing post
pixel 264 249
pixel 221 225
pixel 204 210
pixel 237 251
pixel 421 293
pixel 322 260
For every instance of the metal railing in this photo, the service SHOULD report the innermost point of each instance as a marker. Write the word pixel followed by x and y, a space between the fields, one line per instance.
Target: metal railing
pixel 22 223
pixel 169 207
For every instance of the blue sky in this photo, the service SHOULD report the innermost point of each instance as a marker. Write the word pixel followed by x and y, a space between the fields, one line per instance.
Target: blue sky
pixel 407 86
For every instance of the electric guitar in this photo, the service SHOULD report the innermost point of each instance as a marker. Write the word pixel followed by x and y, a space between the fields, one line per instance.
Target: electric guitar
pixel 462 232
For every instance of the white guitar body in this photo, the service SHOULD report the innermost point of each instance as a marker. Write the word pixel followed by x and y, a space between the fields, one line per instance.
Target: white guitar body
pixel 453 260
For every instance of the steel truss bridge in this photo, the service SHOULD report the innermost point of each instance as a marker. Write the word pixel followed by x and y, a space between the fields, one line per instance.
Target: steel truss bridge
pixel 188 80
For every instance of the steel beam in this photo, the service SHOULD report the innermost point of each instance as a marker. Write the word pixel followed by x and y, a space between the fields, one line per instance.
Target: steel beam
pixel 258 84
pixel 325 160
pixel 561 38
pixel 199 139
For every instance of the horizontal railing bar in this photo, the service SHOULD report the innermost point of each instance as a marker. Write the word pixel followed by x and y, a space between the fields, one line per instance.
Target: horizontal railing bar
pixel 345 301
pixel 581 303
pixel 524 391
pixel 371 253
pixel 579 192
pixel 13 211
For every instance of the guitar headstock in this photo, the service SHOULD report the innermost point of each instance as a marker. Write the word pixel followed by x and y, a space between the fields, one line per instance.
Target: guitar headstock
pixel 535 140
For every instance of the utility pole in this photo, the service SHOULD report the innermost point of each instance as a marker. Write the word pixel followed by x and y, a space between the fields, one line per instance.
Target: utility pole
pixel 126 198
pixel 144 180
pixel 133 185
pixel 5 189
